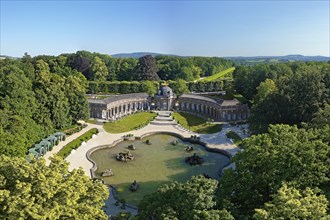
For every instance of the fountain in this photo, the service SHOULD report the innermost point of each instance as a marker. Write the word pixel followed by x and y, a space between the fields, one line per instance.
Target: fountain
pixel 134 186
pixel 124 156
pixel 153 165
pixel 107 172
pixel 194 160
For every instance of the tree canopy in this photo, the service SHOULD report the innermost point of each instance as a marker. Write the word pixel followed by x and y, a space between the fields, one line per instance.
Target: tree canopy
pixel 298 157
pixel 35 101
pixel 195 199
pixel 290 203
pixel 289 93
pixel 146 69
pixel 32 190
pixel 180 87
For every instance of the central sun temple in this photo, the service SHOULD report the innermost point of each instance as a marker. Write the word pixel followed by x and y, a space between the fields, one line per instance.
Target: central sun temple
pixel 117 106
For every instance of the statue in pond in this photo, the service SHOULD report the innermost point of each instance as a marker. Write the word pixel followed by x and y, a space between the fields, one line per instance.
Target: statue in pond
pixel 194 160
pixel 175 142
pixel 189 148
pixel 148 142
pixel 124 156
pixel 131 147
pixel 134 186
pixel 107 172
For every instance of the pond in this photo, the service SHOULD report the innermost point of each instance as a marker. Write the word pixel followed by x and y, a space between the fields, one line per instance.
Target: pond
pixel 154 164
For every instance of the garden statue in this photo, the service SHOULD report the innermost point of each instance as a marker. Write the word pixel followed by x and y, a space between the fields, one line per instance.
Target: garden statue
pixel 131 147
pixel 124 156
pixel 134 186
pixel 107 172
pixel 194 160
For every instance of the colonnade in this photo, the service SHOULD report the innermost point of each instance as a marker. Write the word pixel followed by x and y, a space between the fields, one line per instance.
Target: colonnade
pixel 213 110
pixel 217 113
pixel 203 109
pixel 115 112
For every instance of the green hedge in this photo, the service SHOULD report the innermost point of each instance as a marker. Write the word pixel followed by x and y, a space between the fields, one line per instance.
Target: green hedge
pixel 123 87
pixel 65 151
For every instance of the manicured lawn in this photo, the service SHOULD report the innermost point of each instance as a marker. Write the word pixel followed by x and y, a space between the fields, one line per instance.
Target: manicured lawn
pixel 65 151
pixel 195 123
pixel 129 122
pixel 236 138
pixel 219 75
pixel 91 121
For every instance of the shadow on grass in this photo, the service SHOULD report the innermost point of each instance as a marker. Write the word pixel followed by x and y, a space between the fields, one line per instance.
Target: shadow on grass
pixel 209 129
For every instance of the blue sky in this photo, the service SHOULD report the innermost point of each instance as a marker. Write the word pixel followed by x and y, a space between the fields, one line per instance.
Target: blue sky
pixel 205 28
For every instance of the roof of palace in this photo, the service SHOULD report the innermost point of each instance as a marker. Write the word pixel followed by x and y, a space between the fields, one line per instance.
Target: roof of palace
pixel 132 96
pixel 165 91
pixel 230 102
pixel 114 98
pixel 212 99
pixel 203 98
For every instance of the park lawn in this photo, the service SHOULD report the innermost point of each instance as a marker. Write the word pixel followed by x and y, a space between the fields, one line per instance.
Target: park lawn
pixel 129 122
pixel 66 150
pixel 219 75
pixel 195 123
pixel 91 121
pixel 235 137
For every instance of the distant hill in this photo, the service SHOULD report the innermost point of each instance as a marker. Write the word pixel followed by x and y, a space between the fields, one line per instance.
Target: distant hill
pixel 9 57
pixel 238 60
pixel 139 54
pixel 276 59
pixel 243 60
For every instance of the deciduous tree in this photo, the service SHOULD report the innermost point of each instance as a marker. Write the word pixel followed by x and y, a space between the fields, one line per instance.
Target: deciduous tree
pixel 99 70
pixel 285 154
pixel 290 203
pixel 32 190
pixel 146 69
pixel 180 87
pixel 194 199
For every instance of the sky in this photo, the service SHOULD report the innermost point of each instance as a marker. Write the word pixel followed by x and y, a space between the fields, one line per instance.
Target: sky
pixel 188 28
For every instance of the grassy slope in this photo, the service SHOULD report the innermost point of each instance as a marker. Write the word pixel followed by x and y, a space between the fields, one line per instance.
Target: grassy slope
pixel 195 123
pixel 129 123
pixel 218 75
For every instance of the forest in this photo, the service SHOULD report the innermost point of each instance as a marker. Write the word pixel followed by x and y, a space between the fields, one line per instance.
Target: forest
pixel 290 93
pixel 281 173
pixel 35 100
pixel 103 67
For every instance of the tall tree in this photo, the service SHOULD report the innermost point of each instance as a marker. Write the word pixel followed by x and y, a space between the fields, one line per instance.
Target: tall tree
pixel 285 154
pixel 99 70
pixel 194 199
pixel 146 69
pixel 75 93
pixel 150 88
pixel 322 117
pixel 180 87
pixel 290 203
pixel 32 190
pixel 264 89
pixel 16 91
